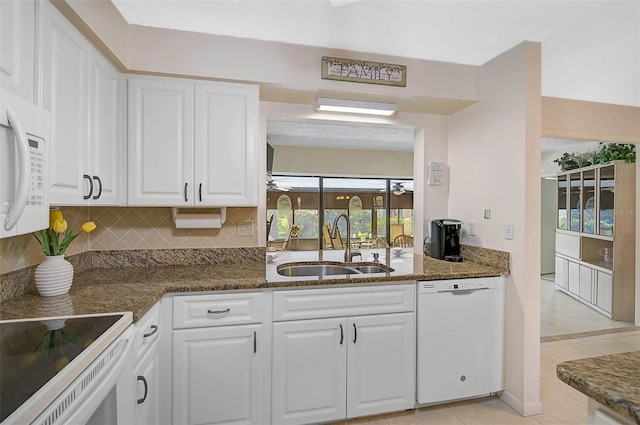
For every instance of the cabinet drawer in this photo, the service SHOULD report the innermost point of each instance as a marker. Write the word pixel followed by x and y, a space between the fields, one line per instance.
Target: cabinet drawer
pixel 353 301
pixel 146 331
pixel 196 311
pixel 568 245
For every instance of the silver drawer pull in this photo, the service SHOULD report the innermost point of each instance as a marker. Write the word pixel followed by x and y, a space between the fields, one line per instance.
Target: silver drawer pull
pixel 154 329
pixel 219 311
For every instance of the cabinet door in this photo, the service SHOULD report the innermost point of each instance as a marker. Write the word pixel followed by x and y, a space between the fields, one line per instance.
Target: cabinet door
pixel 587 278
pixel 107 156
pixel 573 282
pixel 309 371
pixel 225 145
pixel 160 142
pixel 17 47
pixel 562 272
pixel 147 381
pixel 217 375
pixel 65 64
pixel 604 297
pixel 381 368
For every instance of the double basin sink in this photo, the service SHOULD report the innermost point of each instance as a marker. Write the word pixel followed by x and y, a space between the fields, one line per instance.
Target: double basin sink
pixel 330 268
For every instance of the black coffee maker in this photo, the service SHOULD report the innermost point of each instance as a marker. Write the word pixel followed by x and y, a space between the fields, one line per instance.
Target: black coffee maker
pixel 445 239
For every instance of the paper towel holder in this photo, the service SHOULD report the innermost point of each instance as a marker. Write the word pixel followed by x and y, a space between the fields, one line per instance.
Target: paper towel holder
pixel 198 220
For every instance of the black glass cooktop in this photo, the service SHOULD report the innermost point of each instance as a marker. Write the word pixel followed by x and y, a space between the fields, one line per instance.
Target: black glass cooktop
pixel 32 352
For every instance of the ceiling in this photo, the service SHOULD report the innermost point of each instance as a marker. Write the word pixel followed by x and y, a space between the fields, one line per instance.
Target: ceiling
pixel 596 41
pixel 465 32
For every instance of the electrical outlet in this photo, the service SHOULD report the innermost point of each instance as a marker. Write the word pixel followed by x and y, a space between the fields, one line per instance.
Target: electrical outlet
pixel 508 230
pixel 244 228
pixel 472 228
pixel 487 213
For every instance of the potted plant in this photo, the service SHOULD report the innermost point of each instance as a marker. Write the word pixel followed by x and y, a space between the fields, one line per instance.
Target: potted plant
pixel 55 274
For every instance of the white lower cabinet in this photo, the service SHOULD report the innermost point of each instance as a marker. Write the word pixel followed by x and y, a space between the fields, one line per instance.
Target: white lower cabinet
pixel 146 371
pixel 217 375
pixel 380 364
pixel 588 283
pixel 333 368
pixel 309 371
pixel 147 377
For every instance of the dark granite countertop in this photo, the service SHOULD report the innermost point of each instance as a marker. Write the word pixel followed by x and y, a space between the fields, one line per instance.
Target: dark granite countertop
pixel 610 380
pixel 137 289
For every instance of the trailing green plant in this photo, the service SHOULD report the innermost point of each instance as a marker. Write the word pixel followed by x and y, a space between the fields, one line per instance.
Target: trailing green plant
pixel 605 152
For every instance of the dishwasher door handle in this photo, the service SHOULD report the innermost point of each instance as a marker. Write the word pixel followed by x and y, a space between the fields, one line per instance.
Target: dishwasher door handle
pixel 463 291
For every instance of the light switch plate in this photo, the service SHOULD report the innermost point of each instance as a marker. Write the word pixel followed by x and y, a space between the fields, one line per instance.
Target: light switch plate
pixel 472 228
pixel 508 231
pixel 487 213
pixel 244 228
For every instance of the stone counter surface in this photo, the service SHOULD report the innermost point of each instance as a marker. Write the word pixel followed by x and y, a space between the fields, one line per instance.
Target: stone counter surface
pixel 137 288
pixel 612 381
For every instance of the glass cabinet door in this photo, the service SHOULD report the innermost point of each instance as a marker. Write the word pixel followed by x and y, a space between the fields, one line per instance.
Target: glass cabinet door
pixel 574 202
pixel 562 202
pixel 606 200
pixel 589 201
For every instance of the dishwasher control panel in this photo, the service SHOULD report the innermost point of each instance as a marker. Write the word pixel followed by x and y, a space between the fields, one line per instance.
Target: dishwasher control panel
pixel 467 284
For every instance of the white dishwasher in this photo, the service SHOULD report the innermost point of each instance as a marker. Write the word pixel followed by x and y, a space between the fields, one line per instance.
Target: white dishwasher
pixel 460 327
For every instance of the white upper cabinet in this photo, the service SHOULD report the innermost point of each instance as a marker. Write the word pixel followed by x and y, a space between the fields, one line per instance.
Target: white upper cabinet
pixel 192 144
pixel 82 92
pixel 107 149
pixel 18 47
pixel 160 142
pixel 225 144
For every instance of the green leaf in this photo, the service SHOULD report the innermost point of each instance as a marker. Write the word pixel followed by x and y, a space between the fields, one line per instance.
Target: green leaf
pixel 69 236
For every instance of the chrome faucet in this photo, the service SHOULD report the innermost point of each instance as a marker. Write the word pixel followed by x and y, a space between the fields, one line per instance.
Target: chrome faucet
pixel 348 254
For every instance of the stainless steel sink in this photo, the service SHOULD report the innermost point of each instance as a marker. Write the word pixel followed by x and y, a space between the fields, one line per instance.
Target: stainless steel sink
pixel 373 269
pixel 330 269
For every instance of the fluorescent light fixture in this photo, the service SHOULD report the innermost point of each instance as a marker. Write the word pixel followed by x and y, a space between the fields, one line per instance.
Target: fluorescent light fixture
pixel 355 106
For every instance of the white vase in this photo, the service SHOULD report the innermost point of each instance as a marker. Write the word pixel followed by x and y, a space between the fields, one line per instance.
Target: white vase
pixel 54 276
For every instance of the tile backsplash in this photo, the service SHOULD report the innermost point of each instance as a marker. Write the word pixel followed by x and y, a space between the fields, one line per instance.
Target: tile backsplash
pixel 125 228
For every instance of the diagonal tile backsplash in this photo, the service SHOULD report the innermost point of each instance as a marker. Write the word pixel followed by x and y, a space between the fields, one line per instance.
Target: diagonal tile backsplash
pixel 124 228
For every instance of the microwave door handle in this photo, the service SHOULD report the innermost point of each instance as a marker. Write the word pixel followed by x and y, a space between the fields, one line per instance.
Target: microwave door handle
pixel 22 189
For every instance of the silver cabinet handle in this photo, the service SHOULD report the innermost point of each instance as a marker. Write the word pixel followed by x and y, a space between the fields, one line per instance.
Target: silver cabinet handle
pixel 154 329
pixel 227 310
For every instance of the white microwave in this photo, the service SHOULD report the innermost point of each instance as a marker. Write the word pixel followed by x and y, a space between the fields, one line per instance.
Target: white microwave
pixel 24 186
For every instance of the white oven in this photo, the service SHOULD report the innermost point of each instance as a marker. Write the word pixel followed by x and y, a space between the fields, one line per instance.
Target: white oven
pixel 24 133
pixel 67 370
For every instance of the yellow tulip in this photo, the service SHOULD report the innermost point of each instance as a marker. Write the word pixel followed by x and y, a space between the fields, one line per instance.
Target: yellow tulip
pixel 88 227
pixel 53 216
pixel 60 226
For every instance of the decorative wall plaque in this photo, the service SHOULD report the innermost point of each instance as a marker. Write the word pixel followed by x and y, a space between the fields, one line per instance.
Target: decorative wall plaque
pixel 437 173
pixel 359 71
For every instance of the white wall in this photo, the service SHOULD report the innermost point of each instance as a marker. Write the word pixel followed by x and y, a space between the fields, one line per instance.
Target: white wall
pixel 494 158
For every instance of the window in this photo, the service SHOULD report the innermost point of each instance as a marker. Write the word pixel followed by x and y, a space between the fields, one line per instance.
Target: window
pixel 317 201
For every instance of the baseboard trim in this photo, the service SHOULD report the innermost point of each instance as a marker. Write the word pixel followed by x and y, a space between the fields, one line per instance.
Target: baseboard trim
pixel 528 409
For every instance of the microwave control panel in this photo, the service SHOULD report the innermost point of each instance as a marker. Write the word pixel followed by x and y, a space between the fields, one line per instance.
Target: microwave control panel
pixel 36 195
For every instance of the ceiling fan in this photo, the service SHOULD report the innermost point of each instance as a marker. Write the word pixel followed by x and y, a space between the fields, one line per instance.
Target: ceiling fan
pixel 398 189
pixel 272 185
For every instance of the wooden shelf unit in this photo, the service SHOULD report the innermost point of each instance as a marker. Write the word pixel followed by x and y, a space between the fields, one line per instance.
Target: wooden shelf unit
pixel 596 211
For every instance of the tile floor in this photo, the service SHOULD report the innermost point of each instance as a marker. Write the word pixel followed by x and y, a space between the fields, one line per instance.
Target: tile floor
pixel 562 405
